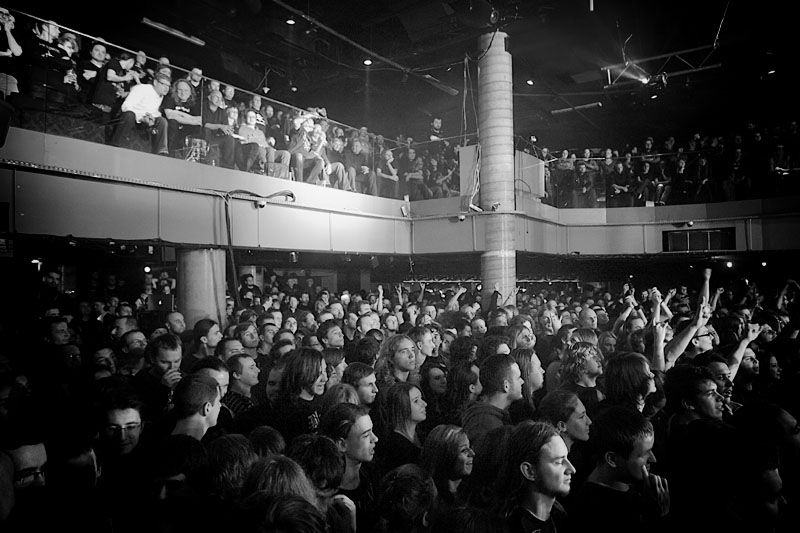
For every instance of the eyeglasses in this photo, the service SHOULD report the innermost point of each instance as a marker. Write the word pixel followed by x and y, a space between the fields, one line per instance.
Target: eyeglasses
pixel 707 334
pixel 28 475
pixel 127 428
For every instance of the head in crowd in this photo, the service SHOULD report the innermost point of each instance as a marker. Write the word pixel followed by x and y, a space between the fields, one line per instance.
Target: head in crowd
pixel 339 393
pixel 228 347
pixel 566 412
pixel 197 396
pixel 285 512
pixel 448 457
pixel 165 354
pixel 362 377
pixel 304 376
pixel 463 349
pixel 520 336
pixel 404 408
pixel 607 343
pixel 536 469
pixel 434 378
pixel 407 496
pixel 397 358
pixel 493 345
pixel 583 364
pixel 350 427
pixel 278 475
pixel 119 420
pixel 266 441
pixel 323 463
pixel 335 365
pixel 500 375
pixel 692 393
pixel 206 336
pixel 531 371
pixel 229 459
pixel 628 381
pixel 330 334
pixel 622 442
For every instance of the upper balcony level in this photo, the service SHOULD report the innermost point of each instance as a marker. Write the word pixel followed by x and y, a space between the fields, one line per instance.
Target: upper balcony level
pixel 61 177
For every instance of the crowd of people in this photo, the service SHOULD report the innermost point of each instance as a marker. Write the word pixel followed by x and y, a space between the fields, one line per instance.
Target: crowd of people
pixel 409 409
pixel 757 162
pixel 184 114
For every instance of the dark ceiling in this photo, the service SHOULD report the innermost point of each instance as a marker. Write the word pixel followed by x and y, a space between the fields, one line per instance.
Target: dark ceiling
pixel 560 44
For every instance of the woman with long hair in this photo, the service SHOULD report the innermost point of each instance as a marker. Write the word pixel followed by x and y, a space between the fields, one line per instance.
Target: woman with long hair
pixel 404 409
pixel 448 457
pixel 464 386
pixel 628 381
pixel 532 372
pixel 302 384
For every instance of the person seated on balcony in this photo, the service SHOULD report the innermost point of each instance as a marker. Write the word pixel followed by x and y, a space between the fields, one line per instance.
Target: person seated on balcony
pixel 662 183
pixel 182 110
pixel 433 177
pixel 89 71
pixel 229 97
pixel 334 156
pixel 643 183
pixel 300 147
pixel 603 181
pixel 218 132
pixel 583 191
pixel 142 109
pixel 412 176
pixel 195 78
pixel 140 68
pixel 621 187
pixel 357 164
pixel 255 150
pixel 69 47
pixel 113 84
pixel 319 142
pixel 562 178
pixel 389 178
pixel 9 50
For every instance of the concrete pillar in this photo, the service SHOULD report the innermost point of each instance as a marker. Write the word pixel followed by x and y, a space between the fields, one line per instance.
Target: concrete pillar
pixel 201 285
pixel 496 137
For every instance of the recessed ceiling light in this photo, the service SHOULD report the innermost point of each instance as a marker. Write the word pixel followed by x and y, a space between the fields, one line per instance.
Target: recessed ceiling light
pixel 367 61
pixel 529 82
pixel 290 21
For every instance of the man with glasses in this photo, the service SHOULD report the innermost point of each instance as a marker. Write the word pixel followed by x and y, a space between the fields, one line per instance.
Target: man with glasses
pixel 142 109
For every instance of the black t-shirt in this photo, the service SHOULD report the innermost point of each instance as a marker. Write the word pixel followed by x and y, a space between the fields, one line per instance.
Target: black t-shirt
pixel 214 117
pixel 365 498
pixel 599 508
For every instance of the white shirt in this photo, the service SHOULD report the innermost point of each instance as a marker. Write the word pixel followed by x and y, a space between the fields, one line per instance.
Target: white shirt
pixel 141 100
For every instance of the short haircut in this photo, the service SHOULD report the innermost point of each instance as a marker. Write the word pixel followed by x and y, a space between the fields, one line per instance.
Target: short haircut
pixel 278 474
pixel 617 429
pixel 229 458
pixel 240 328
pixel 192 392
pixel 364 351
pixel 406 496
pixel 490 344
pixel 355 372
pixel 235 363
pixel 338 422
pixel 266 440
pixel 557 406
pixel 396 405
pixel 210 363
pixel 220 349
pixel 303 367
pixel 680 385
pixel 495 370
pixel 282 512
pixel 333 358
pixel 324 328
pixel 320 458
pixel 461 349
pixel 417 333
pixel 339 393
pixel 201 329
pixel 165 341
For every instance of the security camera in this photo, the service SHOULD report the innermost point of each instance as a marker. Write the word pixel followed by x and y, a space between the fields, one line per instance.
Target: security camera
pixel 261 204
pixel 462 217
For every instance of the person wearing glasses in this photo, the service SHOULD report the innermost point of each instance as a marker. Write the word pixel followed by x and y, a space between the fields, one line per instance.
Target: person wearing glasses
pixel 141 109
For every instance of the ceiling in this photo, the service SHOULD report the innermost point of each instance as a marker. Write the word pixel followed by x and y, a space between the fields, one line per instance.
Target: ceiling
pixel 559 44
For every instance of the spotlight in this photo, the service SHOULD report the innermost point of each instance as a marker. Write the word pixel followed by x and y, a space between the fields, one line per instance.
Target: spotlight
pixel 729 264
pixel 294 89
pixel 530 82
pixel 690 223
pixel 36 261
pixel 290 21
pixel 147 270
pixel 367 62
pixel 763 263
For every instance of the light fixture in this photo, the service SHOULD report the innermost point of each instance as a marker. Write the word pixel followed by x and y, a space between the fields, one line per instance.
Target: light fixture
pixel 763 263
pixel 290 21
pixel 367 62
pixel 147 270
pixel 729 264
pixel 529 82
pixel 172 31
pixel 293 257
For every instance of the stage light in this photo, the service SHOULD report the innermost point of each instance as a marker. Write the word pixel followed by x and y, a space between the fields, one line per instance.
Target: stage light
pixel 367 62
pixel 290 21
pixel 729 264
pixel 147 270
pixel 763 263
pixel 530 82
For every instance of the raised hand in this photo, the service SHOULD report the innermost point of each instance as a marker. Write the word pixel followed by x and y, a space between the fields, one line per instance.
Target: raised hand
pixel 656 489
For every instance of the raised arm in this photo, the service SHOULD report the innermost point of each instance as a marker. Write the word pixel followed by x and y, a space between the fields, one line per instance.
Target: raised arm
pixel 675 348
